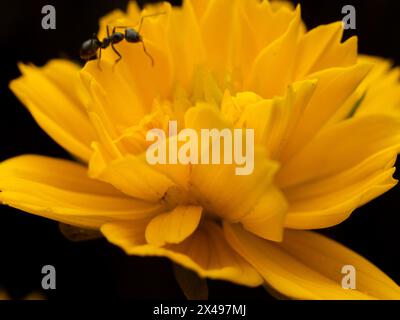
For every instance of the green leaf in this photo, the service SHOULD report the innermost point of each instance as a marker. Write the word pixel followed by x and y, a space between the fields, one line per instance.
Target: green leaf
pixel 356 106
pixel 193 287
pixel 277 295
pixel 77 234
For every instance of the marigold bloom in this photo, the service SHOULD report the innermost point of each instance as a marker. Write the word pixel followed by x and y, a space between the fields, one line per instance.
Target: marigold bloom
pixel 327 133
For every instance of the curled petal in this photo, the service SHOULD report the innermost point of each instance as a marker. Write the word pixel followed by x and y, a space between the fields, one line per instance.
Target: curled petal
pixel 205 251
pixel 61 190
pixel 174 226
pixel 307 265
pixel 62 113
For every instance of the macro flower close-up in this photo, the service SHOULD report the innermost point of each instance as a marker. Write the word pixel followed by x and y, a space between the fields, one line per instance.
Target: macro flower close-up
pixel 326 123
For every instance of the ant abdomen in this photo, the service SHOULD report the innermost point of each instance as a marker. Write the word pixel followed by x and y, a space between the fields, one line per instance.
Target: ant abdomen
pixel 89 49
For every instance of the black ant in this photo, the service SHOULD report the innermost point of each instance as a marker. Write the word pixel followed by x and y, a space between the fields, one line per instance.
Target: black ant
pixel 90 47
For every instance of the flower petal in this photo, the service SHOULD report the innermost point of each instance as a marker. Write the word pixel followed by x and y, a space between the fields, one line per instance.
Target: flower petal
pixel 327 202
pixel 307 265
pixel 272 69
pixel 250 17
pixel 54 96
pixel 321 49
pixel 274 120
pixel 341 147
pixel 325 192
pixel 174 226
pixel 187 49
pixel 381 79
pixel 109 88
pixel 337 83
pixel 132 175
pixel 267 217
pixel 216 35
pixel 205 251
pixel 60 190
pixel 217 186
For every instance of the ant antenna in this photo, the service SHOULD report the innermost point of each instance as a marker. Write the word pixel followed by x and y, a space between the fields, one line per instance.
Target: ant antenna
pixel 98 60
pixel 140 22
pixel 148 16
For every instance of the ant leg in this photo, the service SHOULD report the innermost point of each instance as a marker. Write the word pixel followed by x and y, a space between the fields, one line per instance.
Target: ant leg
pixel 95 38
pixel 98 60
pixel 108 31
pixel 119 55
pixel 147 54
pixel 148 16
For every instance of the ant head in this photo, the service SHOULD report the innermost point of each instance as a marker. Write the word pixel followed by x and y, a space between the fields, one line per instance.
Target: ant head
pixel 89 49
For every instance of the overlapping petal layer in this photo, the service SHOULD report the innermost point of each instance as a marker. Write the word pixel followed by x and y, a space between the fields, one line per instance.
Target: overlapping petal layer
pixel 307 265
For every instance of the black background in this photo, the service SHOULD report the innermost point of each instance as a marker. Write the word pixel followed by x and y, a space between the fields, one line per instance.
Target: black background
pixel 96 269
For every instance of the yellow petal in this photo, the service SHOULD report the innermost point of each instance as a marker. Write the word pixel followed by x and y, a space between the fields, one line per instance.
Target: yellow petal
pixel 307 265
pixel 272 70
pixel 187 49
pixel 267 218
pixel 380 89
pixel 321 49
pixel 133 176
pixel 232 108
pixel 277 5
pixel 205 251
pixel 216 35
pixel 205 116
pixel 341 147
pixel 379 92
pixel 228 195
pixel 133 139
pixel 61 190
pixel 250 17
pixel 273 18
pixel 107 88
pixel 206 88
pixel 50 171
pixel 339 84
pixel 174 226
pixel 327 202
pixel 199 7
pixel 275 120
pixel 217 186
pixel 53 95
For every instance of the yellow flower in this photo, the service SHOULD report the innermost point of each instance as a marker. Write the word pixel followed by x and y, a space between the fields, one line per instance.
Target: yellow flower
pixel 327 133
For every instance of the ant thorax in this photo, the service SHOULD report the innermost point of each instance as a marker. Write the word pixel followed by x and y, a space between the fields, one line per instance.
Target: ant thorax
pixel 90 47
